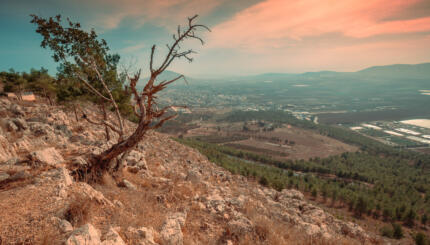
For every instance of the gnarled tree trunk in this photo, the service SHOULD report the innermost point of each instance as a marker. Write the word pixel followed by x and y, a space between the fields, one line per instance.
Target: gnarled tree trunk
pixel 101 163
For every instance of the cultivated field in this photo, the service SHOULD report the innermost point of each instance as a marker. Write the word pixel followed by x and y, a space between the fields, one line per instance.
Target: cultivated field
pixel 286 142
pixel 425 123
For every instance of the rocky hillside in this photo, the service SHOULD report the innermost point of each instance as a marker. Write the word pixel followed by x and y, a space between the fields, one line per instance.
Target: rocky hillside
pixel 168 193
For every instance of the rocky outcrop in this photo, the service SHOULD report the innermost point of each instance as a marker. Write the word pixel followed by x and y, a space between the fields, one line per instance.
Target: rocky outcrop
pixel 136 159
pixel 84 235
pixel 112 238
pixel 127 184
pixel 47 156
pixel 4 176
pixel 142 235
pixel 171 232
pixel 89 192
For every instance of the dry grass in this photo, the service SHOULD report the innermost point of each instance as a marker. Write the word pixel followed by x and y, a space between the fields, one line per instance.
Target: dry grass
pixel 79 210
pixel 25 215
pixel 140 207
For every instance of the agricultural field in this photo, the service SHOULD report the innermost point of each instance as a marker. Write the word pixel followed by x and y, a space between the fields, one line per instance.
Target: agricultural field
pixel 425 123
pixel 284 142
pixel 409 133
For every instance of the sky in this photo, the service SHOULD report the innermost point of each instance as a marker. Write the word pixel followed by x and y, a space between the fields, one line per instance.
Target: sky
pixel 247 36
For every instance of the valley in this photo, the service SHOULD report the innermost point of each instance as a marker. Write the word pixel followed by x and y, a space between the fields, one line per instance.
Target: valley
pixel 360 152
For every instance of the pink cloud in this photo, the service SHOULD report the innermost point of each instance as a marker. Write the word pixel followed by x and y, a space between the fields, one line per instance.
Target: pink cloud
pixel 273 23
pixel 165 12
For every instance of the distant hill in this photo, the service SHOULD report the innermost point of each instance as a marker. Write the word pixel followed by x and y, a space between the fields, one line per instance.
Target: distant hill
pixel 388 71
pixel 398 70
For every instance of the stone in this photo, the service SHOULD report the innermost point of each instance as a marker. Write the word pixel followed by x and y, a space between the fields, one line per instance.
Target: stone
pixel 65 226
pixel 137 159
pixel 240 226
pixel 294 194
pixel 193 176
pixel 63 129
pixel 57 117
pixel 77 138
pixel 4 176
pixel 11 161
pixel 39 129
pixel 60 175
pixel 16 109
pixel 127 184
pixel 171 231
pixel 11 127
pixel 85 235
pixel 118 203
pixel 48 156
pixel 113 238
pixel 143 235
pixel 20 175
pixel 20 123
pixel 238 201
pixel 93 194
pixel 216 202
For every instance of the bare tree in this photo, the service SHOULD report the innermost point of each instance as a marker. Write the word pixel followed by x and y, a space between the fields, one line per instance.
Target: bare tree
pixel 89 56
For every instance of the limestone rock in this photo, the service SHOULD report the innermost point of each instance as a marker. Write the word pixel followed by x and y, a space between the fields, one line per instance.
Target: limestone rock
pixel 60 175
pixel 16 109
pixel 118 203
pixel 39 129
pixel 12 161
pixel 292 194
pixel 137 159
pixel 113 238
pixel 48 156
pixel 63 129
pixel 237 201
pixel 20 123
pixel 171 232
pixel 193 176
pixel 93 194
pixel 127 184
pixel 20 175
pixel 85 235
pixel 65 226
pixel 4 176
pixel 142 235
pixel 240 226
pixel 11 127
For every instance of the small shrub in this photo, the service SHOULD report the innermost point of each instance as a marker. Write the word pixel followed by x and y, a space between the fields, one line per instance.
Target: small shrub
pixel 397 231
pixel 420 239
pixel 387 231
pixel 263 181
pixel 79 211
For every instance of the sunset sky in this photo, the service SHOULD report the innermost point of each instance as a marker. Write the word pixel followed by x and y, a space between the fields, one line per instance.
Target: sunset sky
pixel 248 36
